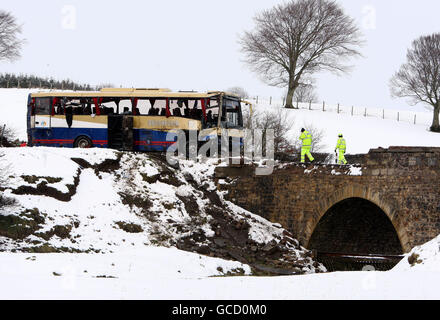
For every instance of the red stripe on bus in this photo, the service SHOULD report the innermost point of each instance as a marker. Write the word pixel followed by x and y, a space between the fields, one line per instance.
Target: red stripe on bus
pixel 153 142
pixel 52 140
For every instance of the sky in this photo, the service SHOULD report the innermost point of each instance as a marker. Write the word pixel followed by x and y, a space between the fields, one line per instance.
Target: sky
pixel 193 44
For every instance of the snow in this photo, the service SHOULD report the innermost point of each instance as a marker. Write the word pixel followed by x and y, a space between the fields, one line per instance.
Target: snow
pixel 150 273
pixel 361 133
pixel 426 258
pixel 167 273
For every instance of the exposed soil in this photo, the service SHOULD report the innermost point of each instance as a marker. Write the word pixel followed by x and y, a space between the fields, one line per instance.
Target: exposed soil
pixel 43 189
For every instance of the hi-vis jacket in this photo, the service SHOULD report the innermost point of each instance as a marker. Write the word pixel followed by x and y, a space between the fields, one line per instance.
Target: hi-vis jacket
pixel 341 144
pixel 306 139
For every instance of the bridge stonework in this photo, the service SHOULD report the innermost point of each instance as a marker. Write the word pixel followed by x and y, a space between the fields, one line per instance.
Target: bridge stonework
pixel 402 181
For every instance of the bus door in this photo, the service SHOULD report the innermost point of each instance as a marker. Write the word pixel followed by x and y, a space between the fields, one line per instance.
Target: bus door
pixel 127 129
pixel 120 132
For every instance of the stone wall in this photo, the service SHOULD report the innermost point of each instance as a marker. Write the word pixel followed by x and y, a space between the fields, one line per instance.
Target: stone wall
pixel 403 182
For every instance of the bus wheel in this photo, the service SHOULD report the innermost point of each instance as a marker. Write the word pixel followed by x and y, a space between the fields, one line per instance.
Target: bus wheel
pixel 83 142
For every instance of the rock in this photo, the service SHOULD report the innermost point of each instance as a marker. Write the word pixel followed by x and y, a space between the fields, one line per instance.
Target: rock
pixel 220 242
pixel 270 247
pixel 188 176
pixel 203 250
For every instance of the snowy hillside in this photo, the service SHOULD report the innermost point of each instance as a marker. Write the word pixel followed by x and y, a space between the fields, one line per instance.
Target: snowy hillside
pixel 361 133
pixel 422 258
pixel 103 201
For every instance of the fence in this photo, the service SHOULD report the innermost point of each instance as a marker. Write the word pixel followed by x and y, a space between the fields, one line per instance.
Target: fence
pixel 414 117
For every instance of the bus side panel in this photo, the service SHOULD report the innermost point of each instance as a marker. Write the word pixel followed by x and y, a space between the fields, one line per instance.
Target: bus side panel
pixel 65 137
pixel 151 140
pixel 60 135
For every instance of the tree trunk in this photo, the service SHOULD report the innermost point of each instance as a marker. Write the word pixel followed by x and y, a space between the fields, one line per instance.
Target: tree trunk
pixel 290 92
pixel 289 98
pixel 435 122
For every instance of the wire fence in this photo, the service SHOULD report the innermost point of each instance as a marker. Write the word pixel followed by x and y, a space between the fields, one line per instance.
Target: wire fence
pixel 413 117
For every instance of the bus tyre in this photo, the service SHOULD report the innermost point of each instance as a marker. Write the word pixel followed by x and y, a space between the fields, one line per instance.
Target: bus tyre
pixel 83 142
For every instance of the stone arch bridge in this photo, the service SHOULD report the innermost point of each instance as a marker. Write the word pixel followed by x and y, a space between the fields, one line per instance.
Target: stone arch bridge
pixel 386 204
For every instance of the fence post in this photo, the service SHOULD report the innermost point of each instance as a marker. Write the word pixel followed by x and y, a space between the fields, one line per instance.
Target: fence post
pixel 297 105
pixel 383 113
pixel 352 110
pixel 365 113
pixel 415 117
pixel 338 108
pixel 257 99
pixel 18 85
pixel 310 105
pixel 270 101
pixel 398 116
pixel 323 105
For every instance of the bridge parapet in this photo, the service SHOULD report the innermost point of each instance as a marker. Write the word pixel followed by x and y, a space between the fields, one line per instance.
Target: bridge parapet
pixel 377 162
pixel 400 160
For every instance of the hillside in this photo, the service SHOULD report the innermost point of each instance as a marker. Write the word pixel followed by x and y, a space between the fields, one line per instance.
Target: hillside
pixel 361 133
pixel 103 201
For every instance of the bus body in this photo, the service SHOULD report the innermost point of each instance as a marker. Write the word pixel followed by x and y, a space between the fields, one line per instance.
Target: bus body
pixel 129 119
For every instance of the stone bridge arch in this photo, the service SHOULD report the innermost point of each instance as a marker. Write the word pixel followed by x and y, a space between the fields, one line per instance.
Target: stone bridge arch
pixel 356 191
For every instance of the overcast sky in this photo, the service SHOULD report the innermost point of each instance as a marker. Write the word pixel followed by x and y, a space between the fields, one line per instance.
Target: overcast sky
pixel 193 44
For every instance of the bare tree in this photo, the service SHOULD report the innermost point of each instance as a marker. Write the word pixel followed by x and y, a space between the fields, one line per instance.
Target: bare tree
pixel 10 44
pixel 8 136
pixel 239 91
pixel 300 38
pixel 419 78
pixel 279 122
pixel 4 176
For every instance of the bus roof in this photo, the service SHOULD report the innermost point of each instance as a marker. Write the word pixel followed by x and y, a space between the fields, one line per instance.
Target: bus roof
pixel 131 93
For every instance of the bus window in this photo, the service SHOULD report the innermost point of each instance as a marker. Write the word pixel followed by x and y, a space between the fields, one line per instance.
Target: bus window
pixel 231 114
pixel 109 107
pixel 125 107
pixel 212 112
pixel 194 110
pixel 143 106
pixel 43 106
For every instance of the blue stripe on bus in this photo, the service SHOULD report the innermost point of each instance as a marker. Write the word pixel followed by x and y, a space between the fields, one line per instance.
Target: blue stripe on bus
pixel 65 137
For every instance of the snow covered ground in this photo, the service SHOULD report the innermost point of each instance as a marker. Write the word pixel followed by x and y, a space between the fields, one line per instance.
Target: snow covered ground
pixel 161 273
pixel 361 133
